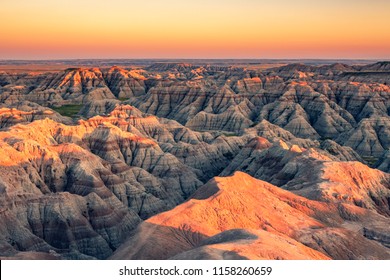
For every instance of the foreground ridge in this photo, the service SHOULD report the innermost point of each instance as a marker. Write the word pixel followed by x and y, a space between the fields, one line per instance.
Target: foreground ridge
pixel 239 217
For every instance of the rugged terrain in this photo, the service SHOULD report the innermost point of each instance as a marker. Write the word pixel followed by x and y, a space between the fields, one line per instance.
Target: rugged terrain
pixel 289 162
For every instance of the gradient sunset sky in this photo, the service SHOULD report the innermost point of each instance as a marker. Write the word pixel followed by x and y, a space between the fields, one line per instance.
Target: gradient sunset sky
pixel 52 29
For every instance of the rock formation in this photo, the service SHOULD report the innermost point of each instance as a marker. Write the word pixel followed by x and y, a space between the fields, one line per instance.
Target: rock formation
pixel 133 142
pixel 239 217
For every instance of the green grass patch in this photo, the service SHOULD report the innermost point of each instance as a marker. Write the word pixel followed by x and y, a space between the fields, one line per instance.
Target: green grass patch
pixel 69 110
pixel 123 98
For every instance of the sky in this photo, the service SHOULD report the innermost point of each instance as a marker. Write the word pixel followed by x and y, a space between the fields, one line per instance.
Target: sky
pixel 74 29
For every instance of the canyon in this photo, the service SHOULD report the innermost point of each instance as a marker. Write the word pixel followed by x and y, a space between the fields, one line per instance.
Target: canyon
pixel 174 160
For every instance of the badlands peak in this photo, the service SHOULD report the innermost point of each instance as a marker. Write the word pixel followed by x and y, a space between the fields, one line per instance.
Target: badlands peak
pixel 239 217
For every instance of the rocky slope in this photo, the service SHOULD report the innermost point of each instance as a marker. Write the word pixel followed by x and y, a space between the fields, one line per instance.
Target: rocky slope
pixel 96 180
pixel 314 173
pixel 314 102
pixel 239 217
pixel 25 112
pixel 384 162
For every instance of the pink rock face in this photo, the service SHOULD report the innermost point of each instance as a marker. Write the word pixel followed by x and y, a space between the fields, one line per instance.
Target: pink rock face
pixel 263 218
pixel 185 161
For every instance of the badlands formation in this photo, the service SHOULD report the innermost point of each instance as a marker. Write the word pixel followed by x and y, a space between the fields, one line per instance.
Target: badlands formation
pixel 185 161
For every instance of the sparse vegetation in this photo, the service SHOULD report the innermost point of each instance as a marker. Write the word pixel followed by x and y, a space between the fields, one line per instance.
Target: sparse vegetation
pixel 69 110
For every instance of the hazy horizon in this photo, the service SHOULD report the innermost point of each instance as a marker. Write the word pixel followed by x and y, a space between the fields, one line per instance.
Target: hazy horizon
pixel 199 58
pixel 195 59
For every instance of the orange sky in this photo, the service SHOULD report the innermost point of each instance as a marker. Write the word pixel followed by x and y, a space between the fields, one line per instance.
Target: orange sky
pixel 53 29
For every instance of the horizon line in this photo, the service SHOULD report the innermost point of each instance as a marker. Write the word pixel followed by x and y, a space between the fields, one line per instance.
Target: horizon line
pixel 78 59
